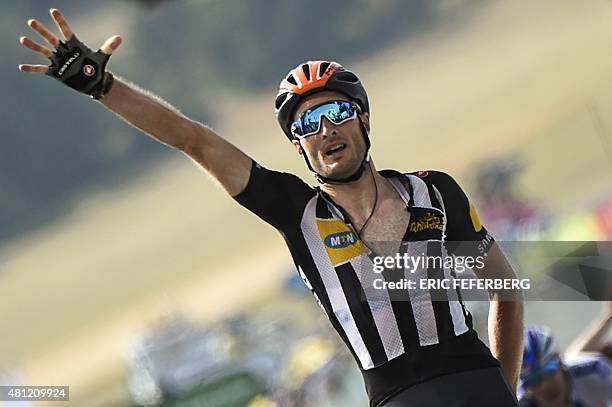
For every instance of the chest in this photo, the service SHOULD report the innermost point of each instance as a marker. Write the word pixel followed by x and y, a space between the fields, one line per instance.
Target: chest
pixel 395 224
pixel 388 223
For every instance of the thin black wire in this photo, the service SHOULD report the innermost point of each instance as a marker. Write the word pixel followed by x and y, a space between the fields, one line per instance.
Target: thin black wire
pixel 375 203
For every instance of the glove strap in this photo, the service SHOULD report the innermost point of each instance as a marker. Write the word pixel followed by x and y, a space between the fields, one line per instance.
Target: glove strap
pixel 104 87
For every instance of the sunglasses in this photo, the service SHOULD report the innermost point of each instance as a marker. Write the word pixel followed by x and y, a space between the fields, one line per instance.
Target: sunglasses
pixel 336 111
pixel 543 372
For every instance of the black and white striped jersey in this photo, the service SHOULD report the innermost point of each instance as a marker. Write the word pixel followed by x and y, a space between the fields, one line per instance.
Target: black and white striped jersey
pixel 398 338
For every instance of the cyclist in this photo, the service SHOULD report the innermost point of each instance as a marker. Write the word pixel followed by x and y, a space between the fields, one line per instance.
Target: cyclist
pixel 581 378
pixel 419 349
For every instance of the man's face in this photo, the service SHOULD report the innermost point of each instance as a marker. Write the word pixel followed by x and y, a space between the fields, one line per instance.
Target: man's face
pixel 339 163
pixel 550 391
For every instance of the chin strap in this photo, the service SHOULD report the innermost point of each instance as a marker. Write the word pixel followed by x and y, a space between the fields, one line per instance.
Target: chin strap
pixel 353 177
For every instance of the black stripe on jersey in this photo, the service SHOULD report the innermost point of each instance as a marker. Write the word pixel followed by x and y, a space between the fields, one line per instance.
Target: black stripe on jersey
pixel 434 198
pixel 436 203
pixel 439 297
pixel 444 321
pixel 360 309
pixel 318 286
pixel 402 309
pixel 322 211
pixel 408 185
pixel 459 297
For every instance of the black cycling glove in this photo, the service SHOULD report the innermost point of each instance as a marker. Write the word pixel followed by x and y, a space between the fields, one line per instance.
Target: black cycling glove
pixel 79 67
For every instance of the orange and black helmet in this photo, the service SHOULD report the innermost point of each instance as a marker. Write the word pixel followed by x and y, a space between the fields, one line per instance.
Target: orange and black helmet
pixel 312 77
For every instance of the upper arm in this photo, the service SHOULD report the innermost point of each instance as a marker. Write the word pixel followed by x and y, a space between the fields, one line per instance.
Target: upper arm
pixel 157 118
pixel 496 265
pixel 225 162
pixel 464 232
pixel 277 198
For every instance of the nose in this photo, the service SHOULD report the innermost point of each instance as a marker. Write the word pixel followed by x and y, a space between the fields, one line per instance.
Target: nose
pixel 327 128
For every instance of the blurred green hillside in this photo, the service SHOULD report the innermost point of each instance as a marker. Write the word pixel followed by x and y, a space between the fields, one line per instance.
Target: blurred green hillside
pixel 56 143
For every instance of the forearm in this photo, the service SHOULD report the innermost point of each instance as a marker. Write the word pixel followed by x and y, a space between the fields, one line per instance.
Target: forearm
pixel 506 327
pixel 150 114
pixel 140 108
pixel 160 120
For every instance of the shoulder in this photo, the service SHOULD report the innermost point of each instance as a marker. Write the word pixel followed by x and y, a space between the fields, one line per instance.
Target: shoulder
pixel 440 179
pixel 445 184
pixel 278 198
pixel 262 180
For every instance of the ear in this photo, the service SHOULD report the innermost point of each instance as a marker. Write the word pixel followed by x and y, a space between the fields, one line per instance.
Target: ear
pixel 298 147
pixel 365 119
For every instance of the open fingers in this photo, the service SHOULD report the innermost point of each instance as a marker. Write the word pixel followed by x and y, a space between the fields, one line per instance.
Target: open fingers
pixel 33 68
pixel 110 45
pixel 36 47
pixel 44 32
pixel 61 23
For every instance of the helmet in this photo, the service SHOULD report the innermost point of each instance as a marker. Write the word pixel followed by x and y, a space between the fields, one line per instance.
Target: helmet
pixel 317 76
pixel 540 353
pixel 540 348
pixel 312 77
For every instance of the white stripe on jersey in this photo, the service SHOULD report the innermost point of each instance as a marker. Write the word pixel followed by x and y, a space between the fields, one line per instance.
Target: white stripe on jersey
pixel 420 192
pixel 380 306
pixel 420 300
pixel 332 285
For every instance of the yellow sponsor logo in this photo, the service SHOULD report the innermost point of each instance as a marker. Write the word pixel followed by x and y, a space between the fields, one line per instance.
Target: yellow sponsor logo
pixel 474 217
pixel 340 241
pixel 428 222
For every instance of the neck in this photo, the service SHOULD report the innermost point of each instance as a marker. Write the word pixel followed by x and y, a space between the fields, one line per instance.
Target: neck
pixel 357 197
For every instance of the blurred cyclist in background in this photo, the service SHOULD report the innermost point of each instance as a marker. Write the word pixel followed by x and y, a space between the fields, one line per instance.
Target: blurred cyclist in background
pixel 582 377
pixel 508 215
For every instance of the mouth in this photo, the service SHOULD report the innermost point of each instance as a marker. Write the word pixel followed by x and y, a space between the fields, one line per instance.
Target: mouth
pixel 334 149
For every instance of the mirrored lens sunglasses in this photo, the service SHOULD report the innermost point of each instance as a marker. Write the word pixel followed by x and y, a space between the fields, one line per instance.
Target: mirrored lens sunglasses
pixel 309 122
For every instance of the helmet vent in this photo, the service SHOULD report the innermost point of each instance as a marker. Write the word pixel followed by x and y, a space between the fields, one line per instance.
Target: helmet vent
pixel 306 70
pixel 280 100
pixel 322 68
pixel 291 79
pixel 347 76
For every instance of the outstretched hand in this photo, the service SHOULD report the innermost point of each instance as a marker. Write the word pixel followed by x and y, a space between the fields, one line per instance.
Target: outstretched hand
pixel 109 46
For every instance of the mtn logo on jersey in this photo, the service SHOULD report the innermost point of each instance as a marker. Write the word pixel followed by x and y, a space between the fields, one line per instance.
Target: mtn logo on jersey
pixel 340 241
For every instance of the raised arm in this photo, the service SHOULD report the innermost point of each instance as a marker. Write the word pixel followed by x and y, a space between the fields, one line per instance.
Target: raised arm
pixel 155 117
pixel 597 336
pixel 142 109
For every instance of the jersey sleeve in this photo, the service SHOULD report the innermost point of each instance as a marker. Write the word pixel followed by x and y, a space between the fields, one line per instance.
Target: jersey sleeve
pixel 464 232
pixel 277 198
